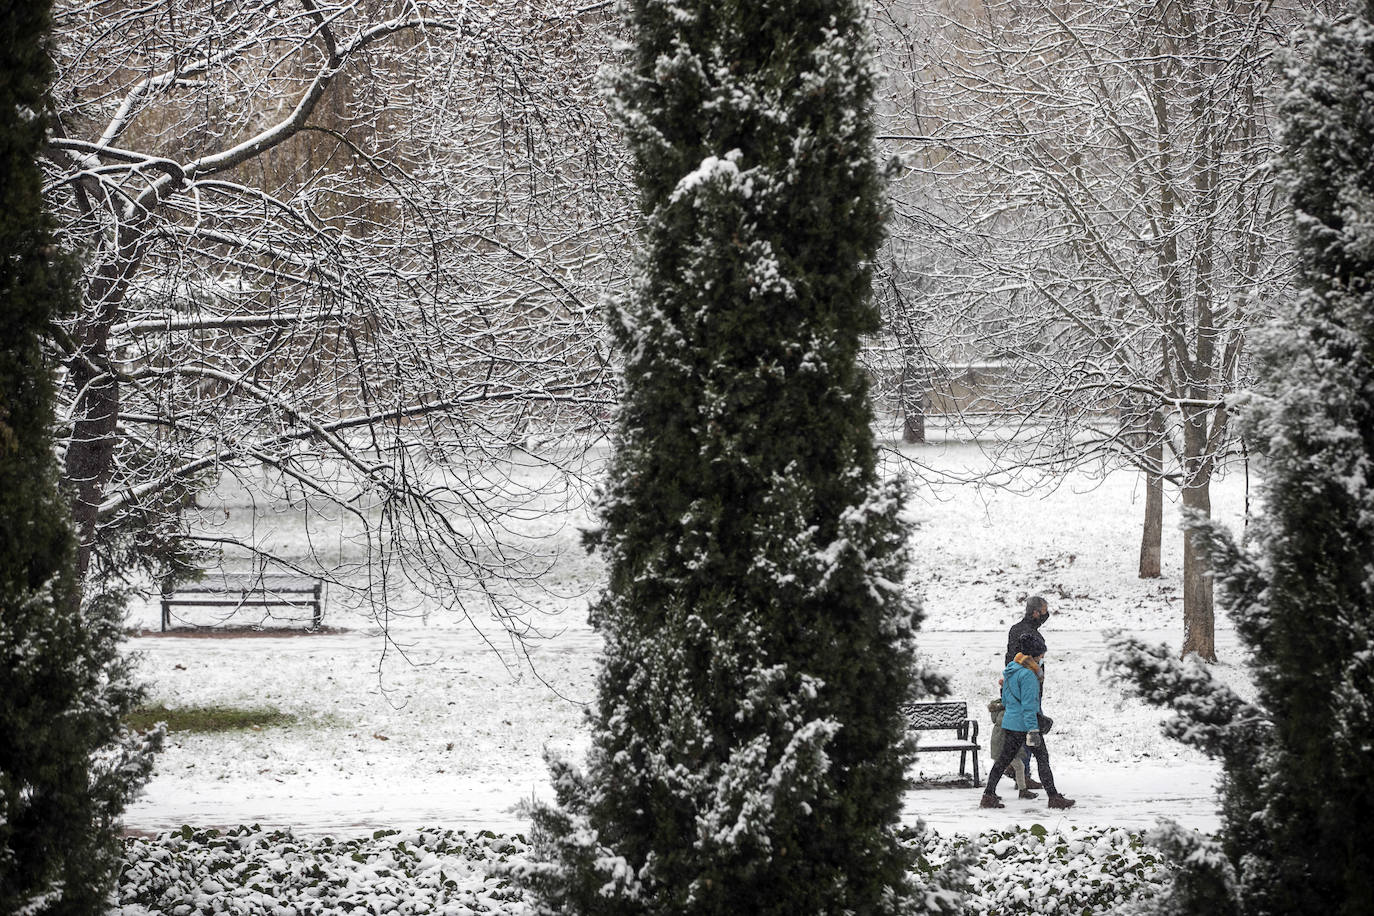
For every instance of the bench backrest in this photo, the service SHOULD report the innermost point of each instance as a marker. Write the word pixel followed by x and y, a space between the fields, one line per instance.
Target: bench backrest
pixel 271 583
pixel 936 715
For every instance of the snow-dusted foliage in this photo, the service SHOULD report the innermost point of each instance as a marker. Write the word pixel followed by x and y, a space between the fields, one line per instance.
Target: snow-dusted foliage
pixel 1203 879
pixel 1208 716
pixel 67 766
pixel 749 749
pixel 1033 870
pixel 1298 762
pixel 248 871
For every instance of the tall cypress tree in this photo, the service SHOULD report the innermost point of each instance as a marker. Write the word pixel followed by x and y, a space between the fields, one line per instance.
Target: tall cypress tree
pixel 1299 761
pixel 749 748
pixel 66 766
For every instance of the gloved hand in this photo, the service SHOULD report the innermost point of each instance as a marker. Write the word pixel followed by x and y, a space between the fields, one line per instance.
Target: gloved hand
pixel 1033 738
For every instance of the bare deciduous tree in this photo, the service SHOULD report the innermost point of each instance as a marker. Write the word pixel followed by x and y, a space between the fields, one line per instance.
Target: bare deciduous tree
pixel 1090 182
pixel 347 251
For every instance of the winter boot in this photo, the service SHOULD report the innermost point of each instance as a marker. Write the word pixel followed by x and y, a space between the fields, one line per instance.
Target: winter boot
pixel 1032 784
pixel 1059 801
pixel 1027 793
pixel 991 801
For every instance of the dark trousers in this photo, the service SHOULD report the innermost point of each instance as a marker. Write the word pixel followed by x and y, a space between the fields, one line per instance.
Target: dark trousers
pixel 1011 746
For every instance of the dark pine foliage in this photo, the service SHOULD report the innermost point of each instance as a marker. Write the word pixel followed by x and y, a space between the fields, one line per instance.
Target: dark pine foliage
pixel 749 751
pixel 1299 762
pixel 66 769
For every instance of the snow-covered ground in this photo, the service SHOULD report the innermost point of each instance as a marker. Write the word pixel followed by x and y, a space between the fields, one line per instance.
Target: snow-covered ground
pixel 431 727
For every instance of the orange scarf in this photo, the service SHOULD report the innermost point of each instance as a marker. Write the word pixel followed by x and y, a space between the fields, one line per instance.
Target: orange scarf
pixel 1026 661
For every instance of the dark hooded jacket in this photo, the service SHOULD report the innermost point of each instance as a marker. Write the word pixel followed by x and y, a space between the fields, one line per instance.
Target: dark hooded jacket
pixel 1027 624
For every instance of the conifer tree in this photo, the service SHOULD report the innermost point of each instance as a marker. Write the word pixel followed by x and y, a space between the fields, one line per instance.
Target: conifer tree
pixel 749 750
pixel 66 765
pixel 1299 761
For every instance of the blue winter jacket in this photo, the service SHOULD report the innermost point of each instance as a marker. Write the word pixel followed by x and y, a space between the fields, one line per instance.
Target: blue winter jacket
pixel 1021 696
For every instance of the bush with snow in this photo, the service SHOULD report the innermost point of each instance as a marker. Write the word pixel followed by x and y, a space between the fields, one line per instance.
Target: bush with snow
pixel 1033 870
pixel 251 872
pixel 248 871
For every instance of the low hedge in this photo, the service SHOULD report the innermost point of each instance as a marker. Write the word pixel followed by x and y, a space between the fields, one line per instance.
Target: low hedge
pixel 249 871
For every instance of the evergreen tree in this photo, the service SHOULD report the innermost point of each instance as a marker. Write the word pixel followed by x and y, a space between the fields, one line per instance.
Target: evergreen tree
pixel 1299 762
pixel 749 748
pixel 66 766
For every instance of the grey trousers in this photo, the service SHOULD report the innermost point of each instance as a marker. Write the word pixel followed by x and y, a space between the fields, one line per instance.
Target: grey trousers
pixel 999 737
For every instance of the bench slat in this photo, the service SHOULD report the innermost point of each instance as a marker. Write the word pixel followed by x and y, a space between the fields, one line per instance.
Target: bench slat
pixel 238 602
pixel 251 583
pixel 936 715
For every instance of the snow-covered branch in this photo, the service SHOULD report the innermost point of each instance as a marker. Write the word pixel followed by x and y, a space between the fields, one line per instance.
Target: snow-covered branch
pixel 1208 715
pixel 1087 200
pixel 344 249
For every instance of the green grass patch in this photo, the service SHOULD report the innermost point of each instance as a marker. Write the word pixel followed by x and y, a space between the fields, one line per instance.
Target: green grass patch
pixel 208 719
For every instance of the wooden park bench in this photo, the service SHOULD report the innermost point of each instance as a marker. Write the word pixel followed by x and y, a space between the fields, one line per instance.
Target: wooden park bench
pixel 253 589
pixel 947 717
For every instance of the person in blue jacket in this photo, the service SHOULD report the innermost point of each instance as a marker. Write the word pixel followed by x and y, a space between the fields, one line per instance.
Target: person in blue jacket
pixel 1021 696
pixel 1037 612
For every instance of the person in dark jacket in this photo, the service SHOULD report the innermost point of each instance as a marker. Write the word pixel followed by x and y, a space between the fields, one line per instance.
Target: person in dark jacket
pixel 1020 722
pixel 1037 612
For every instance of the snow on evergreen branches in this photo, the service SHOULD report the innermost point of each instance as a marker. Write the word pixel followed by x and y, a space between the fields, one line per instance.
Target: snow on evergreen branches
pixel 1208 715
pixel 749 751
pixel 249 871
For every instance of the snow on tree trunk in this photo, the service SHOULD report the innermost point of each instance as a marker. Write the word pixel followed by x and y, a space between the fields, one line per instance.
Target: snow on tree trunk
pixel 749 749
pixel 913 410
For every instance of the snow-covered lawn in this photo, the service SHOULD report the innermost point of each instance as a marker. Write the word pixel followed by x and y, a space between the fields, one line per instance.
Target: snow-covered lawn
pixel 450 738
pixel 433 729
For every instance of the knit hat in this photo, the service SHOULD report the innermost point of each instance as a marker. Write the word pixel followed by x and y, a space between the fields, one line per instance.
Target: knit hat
pixel 1031 644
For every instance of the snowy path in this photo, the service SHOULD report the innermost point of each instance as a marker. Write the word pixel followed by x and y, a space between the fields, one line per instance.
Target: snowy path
pixel 453 740
pixel 1134 797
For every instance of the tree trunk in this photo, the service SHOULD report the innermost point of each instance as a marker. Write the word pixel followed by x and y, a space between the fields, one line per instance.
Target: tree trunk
pixel 914 426
pixel 91 451
pixel 1199 633
pixel 913 409
pixel 90 460
pixel 1152 534
pixel 914 430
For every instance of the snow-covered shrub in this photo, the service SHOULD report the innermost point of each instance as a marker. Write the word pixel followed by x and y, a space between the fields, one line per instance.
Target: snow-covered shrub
pixel 251 872
pixel 1031 870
